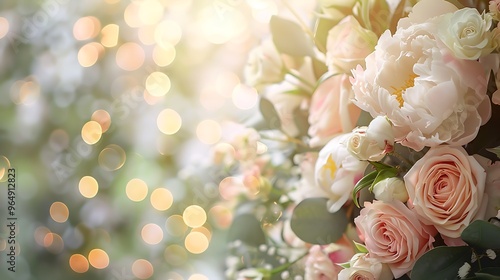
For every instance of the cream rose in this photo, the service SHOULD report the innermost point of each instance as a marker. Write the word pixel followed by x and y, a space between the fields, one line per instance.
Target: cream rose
pixel 467 33
pixel 331 111
pixel 348 44
pixel 492 187
pixel 394 235
pixel 390 189
pixel 373 142
pixel 446 189
pixel 264 65
pixel 337 171
pixel 430 96
pixel 363 267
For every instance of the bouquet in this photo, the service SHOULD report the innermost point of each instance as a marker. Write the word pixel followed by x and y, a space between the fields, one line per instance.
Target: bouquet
pixel 376 154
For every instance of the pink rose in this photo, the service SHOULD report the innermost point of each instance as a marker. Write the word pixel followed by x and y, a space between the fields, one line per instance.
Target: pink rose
pixel 332 111
pixel 446 189
pixel 348 44
pixel 394 235
pixel 319 266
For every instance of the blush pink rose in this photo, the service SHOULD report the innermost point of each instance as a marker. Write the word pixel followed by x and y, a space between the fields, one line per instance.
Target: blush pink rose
pixel 446 189
pixel 331 111
pixel 394 235
pixel 319 266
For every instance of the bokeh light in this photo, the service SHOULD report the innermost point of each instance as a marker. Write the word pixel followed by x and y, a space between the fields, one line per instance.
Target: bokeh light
pixel 169 121
pixel 168 32
pixel 161 199
pixel 89 54
pixel 194 216
pixel 209 131
pixel 152 234
pixel 25 91
pixel 79 263
pixel 109 35
pixel 175 225
pixel 221 216
pixel 88 186
pixel 130 56
pixel 91 132
pixel 245 97
pixel 98 258
pixel 4 166
pixel 112 157
pixel 198 276
pixel 196 242
pixel 142 269
pixel 136 190
pixel 103 118
pixel 58 140
pixel 86 28
pixel 175 255
pixel 53 242
pixel 158 84
pixel 59 212
pixel 164 55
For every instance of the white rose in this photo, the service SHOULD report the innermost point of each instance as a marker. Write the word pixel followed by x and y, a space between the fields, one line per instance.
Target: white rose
pixel 467 33
pixel 264 65
pixel 390 189
pixel 348 44
pixel 337 171
pixel 362 267
pixel 373 142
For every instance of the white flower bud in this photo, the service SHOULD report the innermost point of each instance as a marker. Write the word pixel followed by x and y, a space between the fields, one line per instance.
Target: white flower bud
pixel 491 254
pixel 390 189
pixel 464 270
pixel 380 131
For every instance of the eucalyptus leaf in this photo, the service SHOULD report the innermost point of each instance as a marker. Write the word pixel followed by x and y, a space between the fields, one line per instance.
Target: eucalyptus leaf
pixel 482 234
pixel 441 263
pixel 312 222
pixel 300 117
pixel 269 113
pixel 247 228
pixel 321 29
pixel 491 270
pixel 360 247
pixel 289 38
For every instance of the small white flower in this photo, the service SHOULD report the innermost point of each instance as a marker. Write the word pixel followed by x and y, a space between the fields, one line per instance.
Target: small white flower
pixel 464 270
pixel 473 258
pixel 491 254
pixel 390 189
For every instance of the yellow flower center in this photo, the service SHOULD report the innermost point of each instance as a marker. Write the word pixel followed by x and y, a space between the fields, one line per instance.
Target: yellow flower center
pixel 330 166
pixel 398 92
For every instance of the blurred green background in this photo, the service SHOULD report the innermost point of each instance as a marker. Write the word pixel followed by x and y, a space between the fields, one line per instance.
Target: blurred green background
pixel 109 110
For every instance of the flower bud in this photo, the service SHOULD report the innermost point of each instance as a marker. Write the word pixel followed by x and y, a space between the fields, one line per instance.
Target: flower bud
pixel 390 189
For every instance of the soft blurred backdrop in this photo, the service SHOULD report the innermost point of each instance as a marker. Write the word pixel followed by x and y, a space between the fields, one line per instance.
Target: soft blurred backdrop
pixel 109 113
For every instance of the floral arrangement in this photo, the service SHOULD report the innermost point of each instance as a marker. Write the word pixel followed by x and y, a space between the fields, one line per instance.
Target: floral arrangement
pixel 376 155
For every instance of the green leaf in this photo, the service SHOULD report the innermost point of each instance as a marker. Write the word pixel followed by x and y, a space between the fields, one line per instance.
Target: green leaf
pixel 364 119
pixel 379 166
pixel 384 174
pixel 321 29
pixel 365 182
pixel 441 263
pixel 300 118
pixel 482 234
pixel 269 113
pixel 247 228
pixel 496 151
pixel 360 247
pixel 312 222
pixel 289 38
pixel 319 68
pixel 483 276
pixel 491 270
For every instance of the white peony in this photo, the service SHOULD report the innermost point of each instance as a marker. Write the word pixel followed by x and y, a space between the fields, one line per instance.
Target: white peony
pixel 430 96
pixel 337 171
pixel 373 142
pixel 264 65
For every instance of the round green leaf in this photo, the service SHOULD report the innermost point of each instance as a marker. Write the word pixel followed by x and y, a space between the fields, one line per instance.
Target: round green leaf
pixel 269 113
pixel 482 234
pixel 441 263
pixel 289 38
pixel 247 228
pixel 312 222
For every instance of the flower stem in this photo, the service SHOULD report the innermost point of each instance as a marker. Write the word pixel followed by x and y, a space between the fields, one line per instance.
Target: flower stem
pixel 301 79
